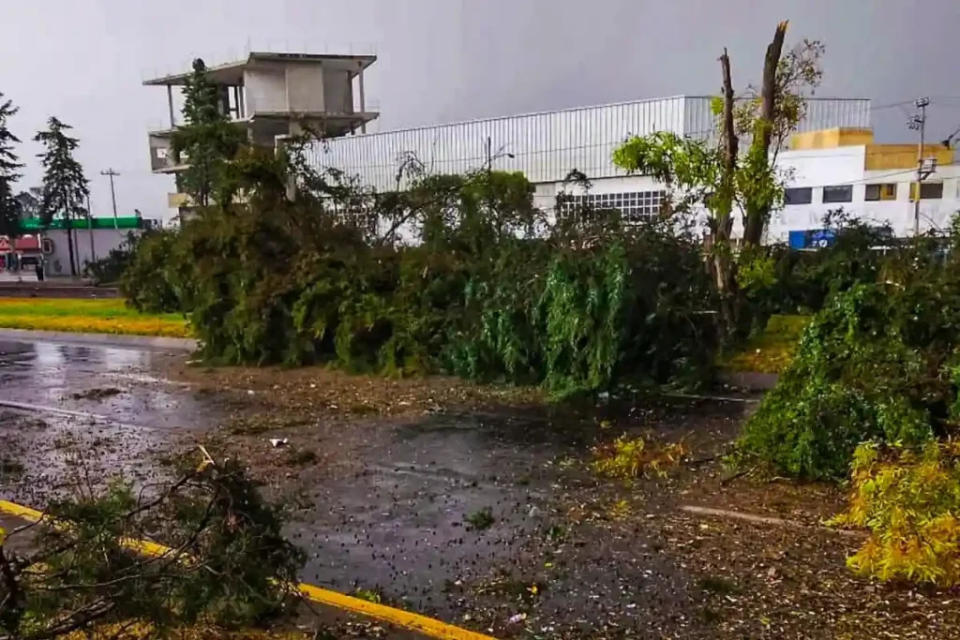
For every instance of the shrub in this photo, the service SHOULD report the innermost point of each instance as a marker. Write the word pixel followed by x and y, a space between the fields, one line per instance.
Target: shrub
pixel 910 501
pixel 110 268
pixel 785 281
pixel 861 372
pixel 149 280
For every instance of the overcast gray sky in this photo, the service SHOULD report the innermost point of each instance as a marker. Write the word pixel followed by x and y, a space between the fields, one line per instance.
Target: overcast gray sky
pixel 446 60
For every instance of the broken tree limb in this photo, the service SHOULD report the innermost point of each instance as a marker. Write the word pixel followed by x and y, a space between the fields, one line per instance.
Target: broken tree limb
pixel 771 520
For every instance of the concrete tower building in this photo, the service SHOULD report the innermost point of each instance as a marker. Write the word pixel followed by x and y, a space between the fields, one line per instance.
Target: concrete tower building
pixel 272 95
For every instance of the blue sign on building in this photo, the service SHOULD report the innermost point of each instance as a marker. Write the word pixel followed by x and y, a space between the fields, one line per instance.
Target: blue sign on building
pixel 812 238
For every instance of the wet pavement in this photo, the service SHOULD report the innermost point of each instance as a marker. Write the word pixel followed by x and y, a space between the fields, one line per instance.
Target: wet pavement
pixel 75 413
pixel 387 506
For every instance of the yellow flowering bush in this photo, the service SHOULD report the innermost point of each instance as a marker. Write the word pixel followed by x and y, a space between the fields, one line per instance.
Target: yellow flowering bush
pixel 910 501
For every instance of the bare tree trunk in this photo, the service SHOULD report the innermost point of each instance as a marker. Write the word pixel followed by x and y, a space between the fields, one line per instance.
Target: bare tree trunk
pixel 758 210
pixel 721 250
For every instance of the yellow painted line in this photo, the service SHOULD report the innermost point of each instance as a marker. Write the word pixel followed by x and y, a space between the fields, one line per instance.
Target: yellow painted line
pixel 14 509
pixel 397 617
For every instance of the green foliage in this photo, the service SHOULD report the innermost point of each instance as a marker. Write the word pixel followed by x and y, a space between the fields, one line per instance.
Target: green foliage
pixel 153 281
pixel 804 280
pixel 481 519
pixel 799 73
pixel 490 293
pixel 910 501
pixel 771 350
pixel 64 185
pixel 206 142
pixel 9 172
pixel 226 561
pixel 111 268
pixel 874 364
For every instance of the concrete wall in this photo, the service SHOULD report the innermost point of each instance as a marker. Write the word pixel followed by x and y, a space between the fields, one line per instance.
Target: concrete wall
pixel 58 263
pixel 338 91
pixel 265 88
pixel 305 87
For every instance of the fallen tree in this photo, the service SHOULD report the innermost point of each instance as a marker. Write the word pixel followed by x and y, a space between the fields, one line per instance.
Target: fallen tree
pixel 223 560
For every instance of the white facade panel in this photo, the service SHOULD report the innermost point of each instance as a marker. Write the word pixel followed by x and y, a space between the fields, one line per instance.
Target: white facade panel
pixel 305 87
pixel 547 146
pixel 544 146
pixel 265 89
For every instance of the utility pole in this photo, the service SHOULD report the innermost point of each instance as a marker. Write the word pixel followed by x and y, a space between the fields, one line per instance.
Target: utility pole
pixel 919 122
pixel 113 195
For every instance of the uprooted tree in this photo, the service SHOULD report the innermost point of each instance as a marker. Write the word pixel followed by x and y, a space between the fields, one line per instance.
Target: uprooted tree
pixel 223 560
pixel 719 177
pixel 454 273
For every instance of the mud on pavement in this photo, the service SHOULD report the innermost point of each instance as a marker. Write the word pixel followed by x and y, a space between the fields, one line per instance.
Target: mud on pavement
pixel 471 504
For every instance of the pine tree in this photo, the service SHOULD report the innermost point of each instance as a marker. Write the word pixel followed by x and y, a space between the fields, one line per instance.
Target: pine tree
pixel 208 139
pixel 9 205
pixel 64 185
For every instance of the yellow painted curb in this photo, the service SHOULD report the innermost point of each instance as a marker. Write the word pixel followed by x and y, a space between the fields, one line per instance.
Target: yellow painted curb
pixel 398 617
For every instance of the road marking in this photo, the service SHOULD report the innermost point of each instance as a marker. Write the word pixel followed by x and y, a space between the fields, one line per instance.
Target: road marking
pixel 397 617
pixel 68 413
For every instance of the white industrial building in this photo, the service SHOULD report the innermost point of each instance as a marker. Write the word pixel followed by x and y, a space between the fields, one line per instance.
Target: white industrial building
pixel 831 162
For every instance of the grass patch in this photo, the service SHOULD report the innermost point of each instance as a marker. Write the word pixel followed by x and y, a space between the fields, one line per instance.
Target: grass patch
pixel 481 519
pixel 770 351
pixel 88 316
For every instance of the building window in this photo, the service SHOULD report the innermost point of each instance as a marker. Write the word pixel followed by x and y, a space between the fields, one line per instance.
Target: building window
pixel 885 191
pixel 841 193
pixel 634 205
pixel 928 190
pixel 798 195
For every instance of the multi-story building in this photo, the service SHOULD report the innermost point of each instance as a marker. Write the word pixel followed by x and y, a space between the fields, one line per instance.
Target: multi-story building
pixel 831 162
pixel 844 168
pixel 272 95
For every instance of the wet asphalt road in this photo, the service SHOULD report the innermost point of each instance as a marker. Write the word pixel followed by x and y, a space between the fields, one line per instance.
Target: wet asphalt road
pixel 391 517
pixel 76 413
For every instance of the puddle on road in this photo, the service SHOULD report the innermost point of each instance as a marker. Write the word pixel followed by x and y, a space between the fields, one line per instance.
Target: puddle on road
pixel 81 419
pixel 398 524
pixel 391 515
